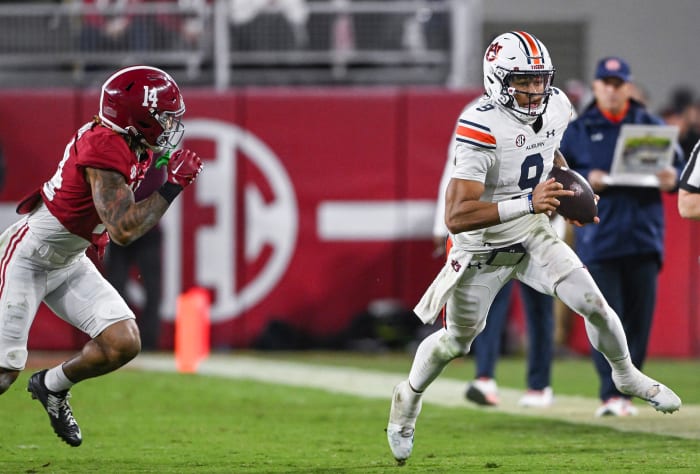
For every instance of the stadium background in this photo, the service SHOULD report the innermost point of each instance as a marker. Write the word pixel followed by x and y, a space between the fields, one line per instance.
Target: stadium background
pixel 319 187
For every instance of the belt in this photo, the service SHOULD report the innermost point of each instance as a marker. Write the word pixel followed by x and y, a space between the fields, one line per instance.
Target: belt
pixel 46 252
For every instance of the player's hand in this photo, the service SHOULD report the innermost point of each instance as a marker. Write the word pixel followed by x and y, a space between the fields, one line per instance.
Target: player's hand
pixel 545 196
pixel 99 244
pixel 183 167
pixel 596 219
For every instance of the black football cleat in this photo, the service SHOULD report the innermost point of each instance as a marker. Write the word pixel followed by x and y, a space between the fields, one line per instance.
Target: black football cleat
pixel 56 405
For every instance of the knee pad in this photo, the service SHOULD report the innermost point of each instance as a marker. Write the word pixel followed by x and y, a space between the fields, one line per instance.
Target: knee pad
pixel 579 292
pixel 14 358
pixel 463 336
pixel 452 346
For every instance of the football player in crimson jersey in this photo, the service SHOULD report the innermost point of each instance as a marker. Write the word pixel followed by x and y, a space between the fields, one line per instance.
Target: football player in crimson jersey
pixel 90 199
pixel 497 206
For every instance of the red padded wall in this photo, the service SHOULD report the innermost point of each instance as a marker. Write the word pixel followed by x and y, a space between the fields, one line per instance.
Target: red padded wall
pixel 334 145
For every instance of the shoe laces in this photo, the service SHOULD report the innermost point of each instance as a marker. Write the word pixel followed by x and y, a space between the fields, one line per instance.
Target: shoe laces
pixel 57 405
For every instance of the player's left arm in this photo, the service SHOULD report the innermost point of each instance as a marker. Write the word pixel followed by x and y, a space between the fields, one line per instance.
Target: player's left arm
pixel 125 219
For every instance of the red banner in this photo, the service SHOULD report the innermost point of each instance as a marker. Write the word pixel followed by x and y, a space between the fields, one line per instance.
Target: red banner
pixel 312 205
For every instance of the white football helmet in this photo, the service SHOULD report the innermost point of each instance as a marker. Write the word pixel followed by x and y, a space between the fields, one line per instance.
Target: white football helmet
pixel 518 56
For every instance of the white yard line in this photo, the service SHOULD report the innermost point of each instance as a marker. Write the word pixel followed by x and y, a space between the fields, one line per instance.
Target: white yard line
pixel 445 392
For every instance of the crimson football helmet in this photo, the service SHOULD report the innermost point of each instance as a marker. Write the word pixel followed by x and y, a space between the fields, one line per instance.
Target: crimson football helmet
pixel 145 102
pixel 513 60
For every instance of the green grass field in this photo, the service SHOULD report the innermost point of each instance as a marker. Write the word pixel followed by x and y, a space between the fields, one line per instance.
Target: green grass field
pixel 139 421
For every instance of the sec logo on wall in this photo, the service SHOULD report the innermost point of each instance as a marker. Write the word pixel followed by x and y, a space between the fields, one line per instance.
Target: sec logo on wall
pixel 268 222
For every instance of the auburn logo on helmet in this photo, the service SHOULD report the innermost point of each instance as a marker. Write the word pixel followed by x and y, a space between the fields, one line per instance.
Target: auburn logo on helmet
pixel 493 51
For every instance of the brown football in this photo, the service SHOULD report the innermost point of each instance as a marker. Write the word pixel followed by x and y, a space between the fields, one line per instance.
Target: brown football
pixel 581 206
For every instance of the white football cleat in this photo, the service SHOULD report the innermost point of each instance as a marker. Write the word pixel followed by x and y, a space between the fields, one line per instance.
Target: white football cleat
pixel 483 391
pixel 656 394
pixel 617 406
pixel 405 407
pixel 537 398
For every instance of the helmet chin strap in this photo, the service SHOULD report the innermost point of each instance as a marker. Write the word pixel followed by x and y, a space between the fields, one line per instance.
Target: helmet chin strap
pixel 528 119
pixel 141 140
pixel 508 102
pixel 521 116
pixel 153 148
pixel 521 113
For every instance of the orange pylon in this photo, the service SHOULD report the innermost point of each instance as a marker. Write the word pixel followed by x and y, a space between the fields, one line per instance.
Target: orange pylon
pixel 192 329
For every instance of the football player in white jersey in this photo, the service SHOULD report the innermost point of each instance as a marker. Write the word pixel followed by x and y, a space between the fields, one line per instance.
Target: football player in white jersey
pixel 497 206
pixel 89 199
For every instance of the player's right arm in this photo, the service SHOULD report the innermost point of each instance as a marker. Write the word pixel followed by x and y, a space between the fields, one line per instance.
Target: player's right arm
pixel 464 211
pixel 124 219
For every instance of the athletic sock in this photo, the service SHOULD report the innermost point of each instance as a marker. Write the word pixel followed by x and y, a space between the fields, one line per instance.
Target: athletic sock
pixel 56 380
pixel 623 365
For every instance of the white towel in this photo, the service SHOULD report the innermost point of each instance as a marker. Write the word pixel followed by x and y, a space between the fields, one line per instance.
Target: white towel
pixel 439 291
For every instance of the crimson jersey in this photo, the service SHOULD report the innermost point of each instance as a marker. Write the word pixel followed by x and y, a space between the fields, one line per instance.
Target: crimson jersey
pixel 68 195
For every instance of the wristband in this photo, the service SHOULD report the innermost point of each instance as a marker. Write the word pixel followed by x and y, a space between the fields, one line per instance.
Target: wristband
pixel 169 191
pixel 530 204
pixel 514 208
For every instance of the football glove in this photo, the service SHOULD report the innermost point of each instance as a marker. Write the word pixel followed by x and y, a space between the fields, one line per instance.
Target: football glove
pixel 183 167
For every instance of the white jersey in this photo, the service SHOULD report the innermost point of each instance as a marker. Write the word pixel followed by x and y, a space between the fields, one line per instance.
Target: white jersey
pixel 510 158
